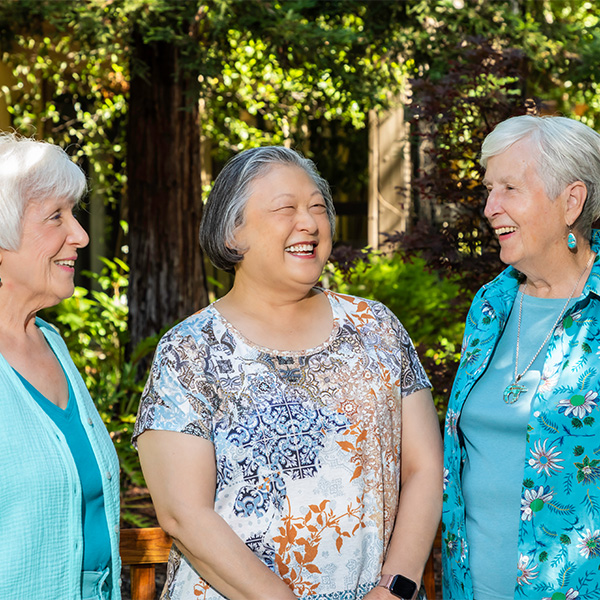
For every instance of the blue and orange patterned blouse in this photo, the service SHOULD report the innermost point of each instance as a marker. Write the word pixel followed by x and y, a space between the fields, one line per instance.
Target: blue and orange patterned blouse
pixel 559 532
pixel 307 443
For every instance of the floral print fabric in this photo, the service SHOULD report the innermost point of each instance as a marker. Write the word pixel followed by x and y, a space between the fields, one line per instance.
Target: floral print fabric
pixel 559 535
pixel 307 443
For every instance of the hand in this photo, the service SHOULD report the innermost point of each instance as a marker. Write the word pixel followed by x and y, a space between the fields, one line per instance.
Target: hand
pixel 378 593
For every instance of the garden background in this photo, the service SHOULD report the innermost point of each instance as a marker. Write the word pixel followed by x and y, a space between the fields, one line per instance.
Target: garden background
pixel 391 99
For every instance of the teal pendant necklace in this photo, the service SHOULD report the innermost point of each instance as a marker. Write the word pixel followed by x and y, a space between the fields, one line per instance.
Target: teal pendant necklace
pixel 515 389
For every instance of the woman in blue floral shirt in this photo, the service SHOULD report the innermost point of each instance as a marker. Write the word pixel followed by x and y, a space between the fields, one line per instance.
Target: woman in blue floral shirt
pixel 521 512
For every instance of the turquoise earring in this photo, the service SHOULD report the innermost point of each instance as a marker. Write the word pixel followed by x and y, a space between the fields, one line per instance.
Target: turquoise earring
pixel 571 240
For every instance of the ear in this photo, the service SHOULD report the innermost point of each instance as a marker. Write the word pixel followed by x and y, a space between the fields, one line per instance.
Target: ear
pixel 577 195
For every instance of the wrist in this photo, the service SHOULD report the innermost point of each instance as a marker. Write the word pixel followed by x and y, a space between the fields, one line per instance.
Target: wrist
pixel 399 586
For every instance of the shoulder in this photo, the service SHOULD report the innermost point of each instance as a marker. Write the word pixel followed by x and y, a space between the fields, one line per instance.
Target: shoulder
pixel 54 338
pixel 369 318
pixel 498 294
pixel 197 327
pixel 47 328
pixel 362 308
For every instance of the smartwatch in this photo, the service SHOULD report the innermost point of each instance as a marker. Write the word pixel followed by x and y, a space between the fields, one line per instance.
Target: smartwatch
pixel 400 586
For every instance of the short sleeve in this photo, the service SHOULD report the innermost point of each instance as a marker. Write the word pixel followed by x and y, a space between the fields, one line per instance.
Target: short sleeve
pixel 396 341
pixel 179 395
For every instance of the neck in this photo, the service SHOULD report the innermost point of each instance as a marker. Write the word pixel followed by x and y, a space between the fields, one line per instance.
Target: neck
pixel 281 320
pixel 561 279
pixel 15 318
pixel 265 304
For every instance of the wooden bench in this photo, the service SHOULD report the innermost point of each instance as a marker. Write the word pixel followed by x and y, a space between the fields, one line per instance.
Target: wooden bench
pixel 143 549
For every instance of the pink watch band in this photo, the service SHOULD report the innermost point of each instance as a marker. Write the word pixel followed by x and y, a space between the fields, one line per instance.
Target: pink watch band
pixel 386 581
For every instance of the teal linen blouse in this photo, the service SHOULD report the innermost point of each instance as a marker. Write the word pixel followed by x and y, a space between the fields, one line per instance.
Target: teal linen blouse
pixel 96 541
pixel 41 554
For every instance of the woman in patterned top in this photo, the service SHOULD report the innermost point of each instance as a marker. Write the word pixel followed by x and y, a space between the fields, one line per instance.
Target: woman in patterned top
pixel 279 424
pixel 522 505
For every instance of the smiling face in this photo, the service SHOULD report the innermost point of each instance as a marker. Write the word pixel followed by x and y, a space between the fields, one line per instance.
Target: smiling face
pixel 286 235
pixel 40 273
pixel 531 227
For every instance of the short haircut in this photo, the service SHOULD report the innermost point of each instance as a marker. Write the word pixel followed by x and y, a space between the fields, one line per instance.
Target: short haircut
pixel 225 208
pixel 567 151
pixel 32 171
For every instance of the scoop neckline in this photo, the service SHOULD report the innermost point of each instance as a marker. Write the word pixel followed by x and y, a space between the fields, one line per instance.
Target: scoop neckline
pixel 274 351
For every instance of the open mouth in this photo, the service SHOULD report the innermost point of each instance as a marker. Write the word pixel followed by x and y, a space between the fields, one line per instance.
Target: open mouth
pixel 504 231
pixel 65 263
pixel 302 249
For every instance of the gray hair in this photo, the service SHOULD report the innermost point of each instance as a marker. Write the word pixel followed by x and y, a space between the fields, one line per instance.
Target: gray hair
pixel 567 151
pixel 32 171
pixel 225 207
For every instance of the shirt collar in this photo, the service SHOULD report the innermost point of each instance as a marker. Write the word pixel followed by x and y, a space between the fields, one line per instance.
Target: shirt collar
pixel 501 291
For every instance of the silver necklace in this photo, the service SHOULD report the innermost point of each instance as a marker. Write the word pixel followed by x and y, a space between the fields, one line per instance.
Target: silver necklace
pixel 515 389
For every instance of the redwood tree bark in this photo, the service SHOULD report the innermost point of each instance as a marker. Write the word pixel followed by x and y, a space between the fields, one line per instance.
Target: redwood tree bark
pixel 167 279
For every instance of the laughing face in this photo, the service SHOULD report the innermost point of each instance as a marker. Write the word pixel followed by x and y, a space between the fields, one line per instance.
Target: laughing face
pixel 531 227
pixel 286 236
pixel 40 273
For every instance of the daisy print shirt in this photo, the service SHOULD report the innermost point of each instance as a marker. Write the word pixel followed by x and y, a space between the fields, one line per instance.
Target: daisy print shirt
pixel 307 443
pixel 558 540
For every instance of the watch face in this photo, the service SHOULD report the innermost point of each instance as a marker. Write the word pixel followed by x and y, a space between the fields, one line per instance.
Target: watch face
pixel 403 587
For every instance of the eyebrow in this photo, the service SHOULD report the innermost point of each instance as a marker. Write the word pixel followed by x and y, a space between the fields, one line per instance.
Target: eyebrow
pixel 292 195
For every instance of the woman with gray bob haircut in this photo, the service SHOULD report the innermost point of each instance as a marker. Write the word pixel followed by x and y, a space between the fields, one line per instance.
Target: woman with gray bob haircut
pixel 279 423
pixel 522 431
pixel 59 497
pixel 224 211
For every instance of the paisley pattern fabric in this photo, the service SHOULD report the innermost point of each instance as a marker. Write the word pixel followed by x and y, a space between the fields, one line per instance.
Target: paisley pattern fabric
pixel 559 535
pixel 307 443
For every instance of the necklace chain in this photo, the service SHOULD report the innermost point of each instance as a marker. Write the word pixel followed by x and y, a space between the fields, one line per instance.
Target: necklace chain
pixel 513 390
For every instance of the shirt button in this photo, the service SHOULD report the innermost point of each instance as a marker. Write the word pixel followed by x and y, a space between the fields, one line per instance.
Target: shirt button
pixel 90 422
pixel 108 475
pixel 116 529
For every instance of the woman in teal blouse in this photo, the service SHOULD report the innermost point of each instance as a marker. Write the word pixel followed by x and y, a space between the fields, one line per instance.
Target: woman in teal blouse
pixel 59 496
pixel 521 513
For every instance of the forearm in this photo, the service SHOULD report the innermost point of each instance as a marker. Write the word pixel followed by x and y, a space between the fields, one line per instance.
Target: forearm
pixel 223 559
pixel 416 524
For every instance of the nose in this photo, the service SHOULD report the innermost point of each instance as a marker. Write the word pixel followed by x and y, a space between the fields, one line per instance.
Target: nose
pixel 78 236
pixel 493 206
pixel 306 221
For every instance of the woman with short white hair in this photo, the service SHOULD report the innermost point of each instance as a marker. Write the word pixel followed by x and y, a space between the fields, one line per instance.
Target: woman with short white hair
pixel 59 473
pixel 521 515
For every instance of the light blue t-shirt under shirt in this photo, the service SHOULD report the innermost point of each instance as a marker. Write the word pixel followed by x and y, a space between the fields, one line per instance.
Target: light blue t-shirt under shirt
pixel 494 435
pixel 96 541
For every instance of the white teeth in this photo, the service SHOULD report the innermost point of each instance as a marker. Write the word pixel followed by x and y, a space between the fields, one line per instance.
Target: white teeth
pixel 66 263
pixel 502 230
pixel 300 248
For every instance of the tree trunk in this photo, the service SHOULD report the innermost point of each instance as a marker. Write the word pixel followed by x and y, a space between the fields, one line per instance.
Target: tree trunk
pixel 167 279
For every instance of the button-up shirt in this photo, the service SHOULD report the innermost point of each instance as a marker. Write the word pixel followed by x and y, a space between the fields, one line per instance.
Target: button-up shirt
pixel 559 531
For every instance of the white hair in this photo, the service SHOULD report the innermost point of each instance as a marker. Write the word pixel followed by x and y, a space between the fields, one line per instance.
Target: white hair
pixel 32 171
pixel 567 151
